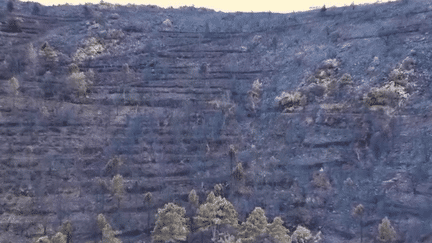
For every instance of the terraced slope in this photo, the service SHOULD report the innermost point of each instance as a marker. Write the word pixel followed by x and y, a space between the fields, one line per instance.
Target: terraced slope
pixel 170 90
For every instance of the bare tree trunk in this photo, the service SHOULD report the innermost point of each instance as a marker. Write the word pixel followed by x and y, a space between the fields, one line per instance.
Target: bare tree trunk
pixel 214 234
pixel 361 230
pixel 148 218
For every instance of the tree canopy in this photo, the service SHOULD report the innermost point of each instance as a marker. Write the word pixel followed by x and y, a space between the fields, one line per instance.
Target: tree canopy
pixel 216 211
pixel 108 234
pixel 118 187
pixel 278 231
pixel 255 225
pixel 386 231
pixel 171 224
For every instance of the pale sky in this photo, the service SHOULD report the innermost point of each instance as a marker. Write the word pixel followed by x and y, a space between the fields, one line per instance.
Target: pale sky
pixel 275 6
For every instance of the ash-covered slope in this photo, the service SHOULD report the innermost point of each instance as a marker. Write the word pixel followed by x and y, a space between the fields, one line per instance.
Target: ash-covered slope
pixel 325 110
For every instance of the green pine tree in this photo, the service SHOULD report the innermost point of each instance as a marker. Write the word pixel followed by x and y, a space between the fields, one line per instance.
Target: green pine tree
pixel 255 225
pixel 301 235
pixel 14 85
pixel 238 172
pixel 171 224
pixel 193 198
pixel 358 212
pixel 216 211
pixel 278 231
pixel 80 81
pixel 386 231
pixel 101 221
pixel 108 234
pixel 117 188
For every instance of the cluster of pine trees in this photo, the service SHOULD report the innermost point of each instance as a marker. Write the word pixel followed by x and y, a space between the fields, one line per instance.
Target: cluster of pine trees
pixel 219 216
pixel 216 216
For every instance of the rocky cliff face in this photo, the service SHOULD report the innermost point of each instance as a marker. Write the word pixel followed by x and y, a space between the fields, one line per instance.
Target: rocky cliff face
pixel 324 109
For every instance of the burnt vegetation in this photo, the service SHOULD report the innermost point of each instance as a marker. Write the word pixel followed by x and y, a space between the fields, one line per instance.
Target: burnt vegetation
pixel 137 123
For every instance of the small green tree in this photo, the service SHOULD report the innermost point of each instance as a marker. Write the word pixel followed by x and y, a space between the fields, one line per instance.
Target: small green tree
pixel 278 231
pixel 117 188
pixel 214 212
pixel 48 53
pixel 14 84
pixel 238 175
pixel 103 188
pixel 358 212
pixel 101 221
pixel 193 198
pixel 323 9
pixel 32 59
pixel 238 172
pixel 108 234
pixel 80 81
pixel 255 225
pixel 386 231
pixel 148 198
pixel 255 94
pixel 171 224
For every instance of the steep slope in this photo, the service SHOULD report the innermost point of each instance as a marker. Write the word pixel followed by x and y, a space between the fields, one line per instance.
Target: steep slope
pixel 169 90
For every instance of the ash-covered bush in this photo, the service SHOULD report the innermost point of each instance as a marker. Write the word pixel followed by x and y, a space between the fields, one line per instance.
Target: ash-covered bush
pixel 304 235
pixel 14 25
pixel 57 238
pixel 387 95
pixel 255 94
pixel 89 49
pixel 320 180
pixel 290 101
pixel 400 84
pixel 346 79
